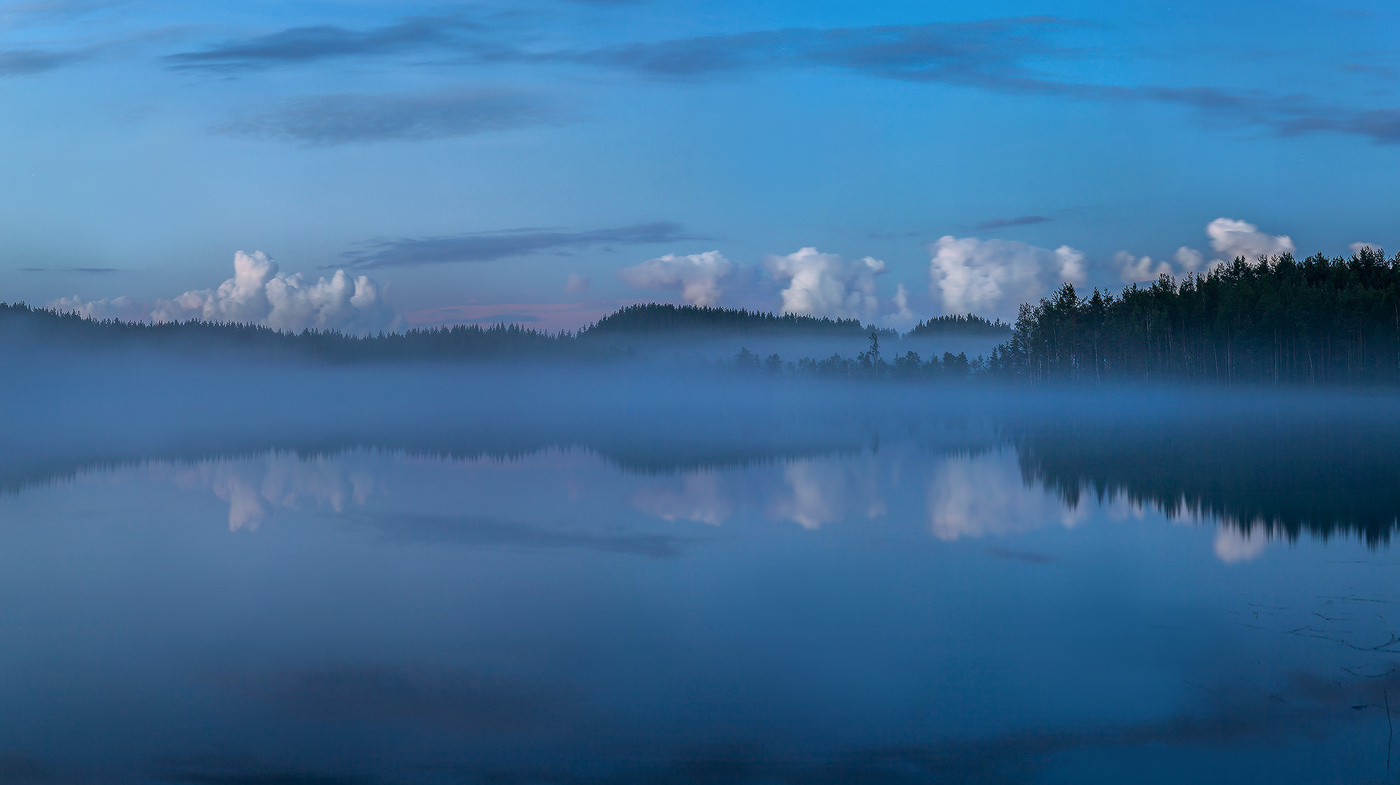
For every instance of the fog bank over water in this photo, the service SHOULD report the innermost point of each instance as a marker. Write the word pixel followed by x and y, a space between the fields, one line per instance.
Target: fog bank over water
pixel 1287 461
pixel 229 568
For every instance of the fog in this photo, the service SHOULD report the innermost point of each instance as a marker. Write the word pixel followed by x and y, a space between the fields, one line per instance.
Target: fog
pixel 240 569
pixel 1289 461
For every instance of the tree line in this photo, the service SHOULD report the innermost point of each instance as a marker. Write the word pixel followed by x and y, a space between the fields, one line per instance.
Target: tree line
pixel 869 364
pixel 26 326
pixel 1275 320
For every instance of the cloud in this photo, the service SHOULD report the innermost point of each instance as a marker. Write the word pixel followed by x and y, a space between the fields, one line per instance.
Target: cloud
pixel 82 270
pixel 993 277
pixel 697 276
pixel 1190 259
pixel 1007 223
pixel 45 12
pixel 822 284
pixel 342 119
pixel 490 246
pixel 1231 238
pixel 27 62
pixel 1139 268
pixel 320 42
pixel 928 52
pixel 1356 248
pixel 1071 264
pixel 577 284
pixel 122 308
pixel 989 55
pixel 259 294
pixel 1007 56
pixel 902 318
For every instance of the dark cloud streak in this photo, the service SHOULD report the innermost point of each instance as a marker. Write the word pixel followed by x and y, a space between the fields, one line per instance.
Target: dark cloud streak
pixel 994 55
pixel 491 246
pixel 340 119
pixel 28 62
pixel 1007 223
pixel 937 51
pixel 319 42
pixel 83 270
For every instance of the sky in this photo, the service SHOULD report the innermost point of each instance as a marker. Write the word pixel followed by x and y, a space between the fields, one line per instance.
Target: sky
pixel 369 165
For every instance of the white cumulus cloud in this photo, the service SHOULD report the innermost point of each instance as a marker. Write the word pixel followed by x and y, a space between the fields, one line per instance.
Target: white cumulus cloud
pixel 1190 259
pixel 1139 268
pixel 993 277
pixel 122 308
pixel 698 277
pixel 259 294
pixel 902 318
pixel 1357 247
pixel 1231 238
pixel 823 284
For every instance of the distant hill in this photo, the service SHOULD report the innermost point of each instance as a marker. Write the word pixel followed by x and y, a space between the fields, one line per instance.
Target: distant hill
pixel 23 326
pixel 970 324
pixel 666 318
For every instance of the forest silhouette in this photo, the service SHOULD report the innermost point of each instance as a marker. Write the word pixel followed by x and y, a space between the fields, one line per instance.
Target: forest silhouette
pixel 1274 321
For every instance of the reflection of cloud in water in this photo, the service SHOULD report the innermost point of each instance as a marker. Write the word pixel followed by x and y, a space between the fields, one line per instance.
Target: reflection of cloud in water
pixel 808 491
pixel 1235 544
pixel 985 495
pixel 698 499
pixel 254 489
pixel 823 491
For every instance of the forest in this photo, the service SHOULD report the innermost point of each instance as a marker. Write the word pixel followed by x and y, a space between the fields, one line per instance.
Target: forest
pixel 25 326
pixel 1273 321
pixel 953 324
pixel 653 318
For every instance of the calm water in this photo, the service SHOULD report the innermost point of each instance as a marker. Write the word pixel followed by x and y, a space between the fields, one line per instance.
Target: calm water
pixel 1063 602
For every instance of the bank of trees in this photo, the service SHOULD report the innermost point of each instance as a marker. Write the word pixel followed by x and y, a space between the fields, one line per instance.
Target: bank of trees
pixel 664 318
pixel 25 327
pixel 867 365
pixel 1275 320
pixel 958 325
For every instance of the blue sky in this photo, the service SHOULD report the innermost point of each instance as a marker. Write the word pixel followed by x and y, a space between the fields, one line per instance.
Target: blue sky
pixel 517 158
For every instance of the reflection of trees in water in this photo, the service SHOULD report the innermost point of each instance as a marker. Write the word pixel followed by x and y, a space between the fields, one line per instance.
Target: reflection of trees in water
pixel 1328 477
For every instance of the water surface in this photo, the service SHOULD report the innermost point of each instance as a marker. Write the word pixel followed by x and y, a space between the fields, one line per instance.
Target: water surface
pixel 1057 597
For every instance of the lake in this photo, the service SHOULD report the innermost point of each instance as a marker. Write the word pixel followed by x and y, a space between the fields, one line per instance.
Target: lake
pixel 974 588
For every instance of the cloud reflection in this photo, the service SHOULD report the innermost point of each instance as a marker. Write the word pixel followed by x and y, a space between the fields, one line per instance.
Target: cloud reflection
pixel 985 495
pixel 1235 544
pixel 699 498
pixel 255 489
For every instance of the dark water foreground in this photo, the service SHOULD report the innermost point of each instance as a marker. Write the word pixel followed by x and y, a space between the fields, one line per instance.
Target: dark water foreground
pixel 441 577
